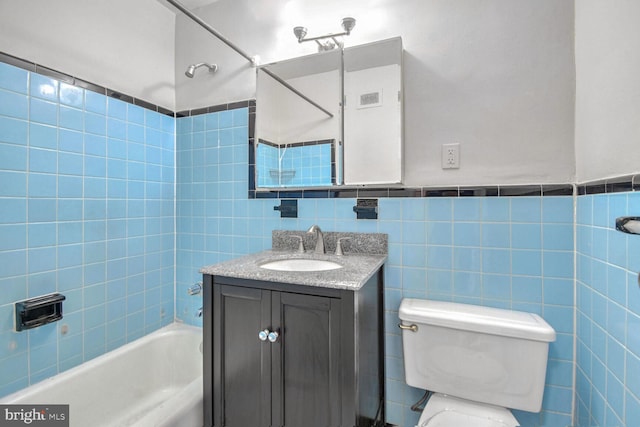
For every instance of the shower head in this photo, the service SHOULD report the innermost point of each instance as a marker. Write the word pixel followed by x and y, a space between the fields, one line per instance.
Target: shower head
pixel 193 67
pixel 300 32
pixel 190 71
pixel 348 24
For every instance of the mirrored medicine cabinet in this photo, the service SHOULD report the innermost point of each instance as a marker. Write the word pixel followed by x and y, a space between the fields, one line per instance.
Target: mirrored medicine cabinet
pixel 331 119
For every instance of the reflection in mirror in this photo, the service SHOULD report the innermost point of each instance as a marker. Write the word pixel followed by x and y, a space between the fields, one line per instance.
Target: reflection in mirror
pixel 300 145
pixel 297 141
pixel 373 113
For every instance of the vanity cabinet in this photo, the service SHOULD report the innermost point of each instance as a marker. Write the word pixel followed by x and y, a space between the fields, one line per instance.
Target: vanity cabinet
pixel 289 355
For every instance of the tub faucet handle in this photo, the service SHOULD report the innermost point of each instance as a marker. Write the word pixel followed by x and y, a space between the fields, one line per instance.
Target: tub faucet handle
pixel 199 313
pixel 195 289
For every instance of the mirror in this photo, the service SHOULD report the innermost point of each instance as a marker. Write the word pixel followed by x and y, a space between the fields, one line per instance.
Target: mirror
pixel 297 141
pixel 304 136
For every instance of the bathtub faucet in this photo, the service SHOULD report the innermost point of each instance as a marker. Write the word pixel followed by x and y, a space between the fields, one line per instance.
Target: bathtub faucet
pixel 199 313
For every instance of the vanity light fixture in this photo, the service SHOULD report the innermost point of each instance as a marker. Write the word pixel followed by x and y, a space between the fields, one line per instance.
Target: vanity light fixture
pixel 347 25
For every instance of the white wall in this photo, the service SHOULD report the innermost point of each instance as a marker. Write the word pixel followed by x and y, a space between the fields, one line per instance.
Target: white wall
pixel 124 45
pixel 607 88
pixel 496 76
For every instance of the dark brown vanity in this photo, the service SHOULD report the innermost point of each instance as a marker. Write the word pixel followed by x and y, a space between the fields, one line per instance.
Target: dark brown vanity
pixel 294 348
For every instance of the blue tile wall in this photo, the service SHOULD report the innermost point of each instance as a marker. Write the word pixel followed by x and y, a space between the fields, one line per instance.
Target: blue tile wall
pixel 608 312
pixel 86 209
pixel 507 252
pixel 213 220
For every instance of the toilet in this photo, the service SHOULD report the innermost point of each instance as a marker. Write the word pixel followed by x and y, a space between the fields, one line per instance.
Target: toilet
pixel 479 362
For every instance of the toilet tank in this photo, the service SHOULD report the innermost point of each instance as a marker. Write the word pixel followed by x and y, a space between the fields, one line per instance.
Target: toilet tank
pixel 483 354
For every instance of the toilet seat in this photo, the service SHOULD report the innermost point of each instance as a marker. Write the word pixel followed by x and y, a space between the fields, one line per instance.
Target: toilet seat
pixel 447 411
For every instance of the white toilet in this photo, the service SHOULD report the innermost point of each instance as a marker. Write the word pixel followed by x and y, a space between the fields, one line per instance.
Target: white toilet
pixel 477 361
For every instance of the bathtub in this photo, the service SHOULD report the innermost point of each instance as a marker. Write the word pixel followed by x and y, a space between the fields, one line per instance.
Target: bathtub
pixel 151 382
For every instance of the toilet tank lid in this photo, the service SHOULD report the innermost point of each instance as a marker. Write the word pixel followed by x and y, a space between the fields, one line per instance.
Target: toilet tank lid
pixel 467 317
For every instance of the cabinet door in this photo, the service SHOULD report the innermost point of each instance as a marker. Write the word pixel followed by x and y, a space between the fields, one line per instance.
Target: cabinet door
pixel 306 361
pixel 242 363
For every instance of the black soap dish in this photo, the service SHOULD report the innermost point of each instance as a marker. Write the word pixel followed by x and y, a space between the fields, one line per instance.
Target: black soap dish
pixel 38 311
pixel 366 208
pixel 287 208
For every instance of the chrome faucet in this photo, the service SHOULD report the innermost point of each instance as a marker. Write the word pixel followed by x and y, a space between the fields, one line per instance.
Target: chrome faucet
pixel 319 238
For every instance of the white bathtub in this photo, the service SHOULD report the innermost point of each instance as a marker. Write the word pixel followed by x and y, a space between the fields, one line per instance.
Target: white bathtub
pixel 151 382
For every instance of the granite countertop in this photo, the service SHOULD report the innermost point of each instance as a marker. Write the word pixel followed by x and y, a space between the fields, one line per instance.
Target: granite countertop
pixel 356 270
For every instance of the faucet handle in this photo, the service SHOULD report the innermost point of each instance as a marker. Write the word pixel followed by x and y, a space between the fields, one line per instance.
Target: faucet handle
pixel 195 289
pixel 300 244
pixel 339 245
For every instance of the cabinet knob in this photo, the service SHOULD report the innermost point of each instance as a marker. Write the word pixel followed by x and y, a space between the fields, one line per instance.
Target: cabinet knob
pixel 273 336
pixel 263 335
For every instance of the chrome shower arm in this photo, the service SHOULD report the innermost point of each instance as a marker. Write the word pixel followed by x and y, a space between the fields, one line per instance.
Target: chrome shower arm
pixel 211 67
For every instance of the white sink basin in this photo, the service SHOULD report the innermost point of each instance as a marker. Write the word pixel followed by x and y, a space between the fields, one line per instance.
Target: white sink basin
pixel 301 264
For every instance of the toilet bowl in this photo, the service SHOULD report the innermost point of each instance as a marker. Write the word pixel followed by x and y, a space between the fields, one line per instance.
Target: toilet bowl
pixel 477 361
pixel 448 411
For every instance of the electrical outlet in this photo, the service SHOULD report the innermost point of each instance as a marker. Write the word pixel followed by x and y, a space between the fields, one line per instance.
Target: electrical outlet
pixel 451 156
